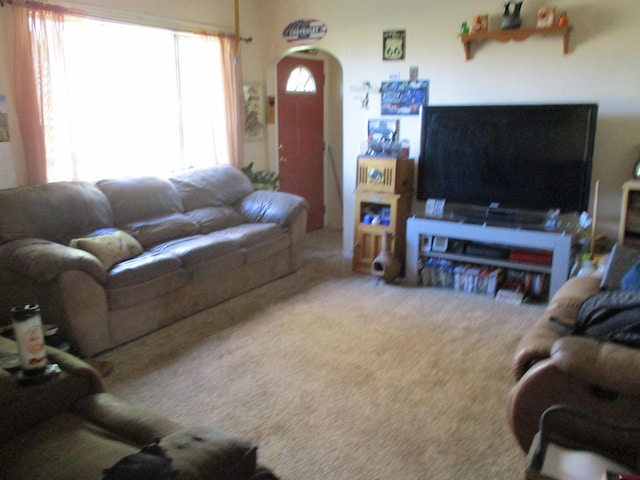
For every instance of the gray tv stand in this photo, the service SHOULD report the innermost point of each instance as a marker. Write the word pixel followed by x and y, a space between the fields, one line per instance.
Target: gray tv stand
pixel 557 242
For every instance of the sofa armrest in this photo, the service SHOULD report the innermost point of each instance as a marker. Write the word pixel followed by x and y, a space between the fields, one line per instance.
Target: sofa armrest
pixel 128 421
pixel 198 452
pixel 536 344
pixel 22 407
pixel 42 260
pixel 608 365
pixel 266 206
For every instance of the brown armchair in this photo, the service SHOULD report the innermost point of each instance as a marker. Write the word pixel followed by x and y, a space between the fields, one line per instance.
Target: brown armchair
pixel 68 428
pixel 572 444
pixel 550 368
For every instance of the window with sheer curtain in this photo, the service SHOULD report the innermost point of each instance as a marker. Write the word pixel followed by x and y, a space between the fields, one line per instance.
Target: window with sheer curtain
pixel 125 99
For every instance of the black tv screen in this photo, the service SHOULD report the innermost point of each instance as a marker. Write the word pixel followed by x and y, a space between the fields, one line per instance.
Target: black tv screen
pixel 533 157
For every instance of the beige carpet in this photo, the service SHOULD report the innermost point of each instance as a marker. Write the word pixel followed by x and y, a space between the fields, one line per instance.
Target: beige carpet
pixel 337 376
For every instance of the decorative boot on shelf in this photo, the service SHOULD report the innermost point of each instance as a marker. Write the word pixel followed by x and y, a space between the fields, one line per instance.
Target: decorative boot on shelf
pixel 386 265
pixel 511 19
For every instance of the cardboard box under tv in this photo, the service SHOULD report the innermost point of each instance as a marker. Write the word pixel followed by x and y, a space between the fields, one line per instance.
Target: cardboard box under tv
pixel 384 188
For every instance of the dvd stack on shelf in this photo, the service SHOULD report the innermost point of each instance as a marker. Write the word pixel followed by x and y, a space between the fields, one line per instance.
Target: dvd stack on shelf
pixel 461 277
pixel 507 285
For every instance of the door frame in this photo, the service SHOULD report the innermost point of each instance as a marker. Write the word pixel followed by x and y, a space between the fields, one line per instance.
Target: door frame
pixel 333 131
pixel 301 136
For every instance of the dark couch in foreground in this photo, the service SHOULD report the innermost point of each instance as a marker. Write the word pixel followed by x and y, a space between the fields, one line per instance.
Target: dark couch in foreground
pixel 111 261
pixel 69 428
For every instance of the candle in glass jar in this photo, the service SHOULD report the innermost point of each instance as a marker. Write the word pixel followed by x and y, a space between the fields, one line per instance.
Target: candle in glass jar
pixel 27 329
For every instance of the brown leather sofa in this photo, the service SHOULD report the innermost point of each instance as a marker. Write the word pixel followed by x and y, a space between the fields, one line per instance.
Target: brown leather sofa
pixel 551 368
pixel 189 242
pixel 69 428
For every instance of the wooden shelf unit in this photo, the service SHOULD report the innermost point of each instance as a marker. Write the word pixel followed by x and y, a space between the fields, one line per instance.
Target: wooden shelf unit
pixel 368 238
pixel 517 34
pixel 382 183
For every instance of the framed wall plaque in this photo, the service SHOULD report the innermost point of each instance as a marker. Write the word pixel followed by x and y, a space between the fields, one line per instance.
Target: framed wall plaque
pixel 254 106
pixel 393 45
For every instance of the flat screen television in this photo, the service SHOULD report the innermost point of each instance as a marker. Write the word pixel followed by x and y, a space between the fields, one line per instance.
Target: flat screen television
pixel 522 157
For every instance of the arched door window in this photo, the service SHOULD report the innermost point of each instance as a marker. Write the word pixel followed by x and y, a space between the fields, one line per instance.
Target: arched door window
pixel 301 81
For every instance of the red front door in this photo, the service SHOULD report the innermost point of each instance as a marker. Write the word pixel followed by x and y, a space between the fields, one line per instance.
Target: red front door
pixel 300 134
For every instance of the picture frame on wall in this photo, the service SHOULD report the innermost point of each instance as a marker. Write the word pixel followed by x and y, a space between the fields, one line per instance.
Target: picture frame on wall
pixel 546 17
pixel 383 130
pixel 393 44
pixel 254 111
pixel 480 24
pixel 4 120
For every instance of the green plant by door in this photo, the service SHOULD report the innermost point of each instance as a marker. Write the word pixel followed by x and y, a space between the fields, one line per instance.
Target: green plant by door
pixel 262 179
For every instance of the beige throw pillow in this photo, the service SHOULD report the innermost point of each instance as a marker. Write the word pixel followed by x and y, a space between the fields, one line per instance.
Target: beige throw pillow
pixel 111 248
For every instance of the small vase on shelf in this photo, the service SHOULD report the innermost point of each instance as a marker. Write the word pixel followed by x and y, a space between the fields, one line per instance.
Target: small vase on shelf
pixel 563 21
pixel 511 19
pixel 386 265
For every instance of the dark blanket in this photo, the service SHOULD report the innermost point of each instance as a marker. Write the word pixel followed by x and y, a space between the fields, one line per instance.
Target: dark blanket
pixel 150 463
pixel 612 316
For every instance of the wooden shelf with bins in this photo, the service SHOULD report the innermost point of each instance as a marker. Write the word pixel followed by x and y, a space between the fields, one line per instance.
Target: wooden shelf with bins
pixel 368 237
pixel 629 228
pixel 517 34
pixel 383 184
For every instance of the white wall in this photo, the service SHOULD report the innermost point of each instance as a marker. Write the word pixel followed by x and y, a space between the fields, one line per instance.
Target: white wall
pixel 601 67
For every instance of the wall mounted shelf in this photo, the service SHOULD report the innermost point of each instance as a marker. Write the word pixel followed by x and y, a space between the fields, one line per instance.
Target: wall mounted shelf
pixel 517 34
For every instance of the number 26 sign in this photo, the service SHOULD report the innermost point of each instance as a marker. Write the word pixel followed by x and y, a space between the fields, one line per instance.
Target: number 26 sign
pixel 393 45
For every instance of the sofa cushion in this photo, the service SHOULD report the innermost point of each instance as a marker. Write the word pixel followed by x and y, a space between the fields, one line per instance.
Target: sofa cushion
pixel 150 231
pixel 213 186
pixel 266 249
pixel 197 249
pixel 143 268
pixel 134 199
pixel 56 211
pixel 110 248
pixel 210 219
pixel 135 295
pixel 249 234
